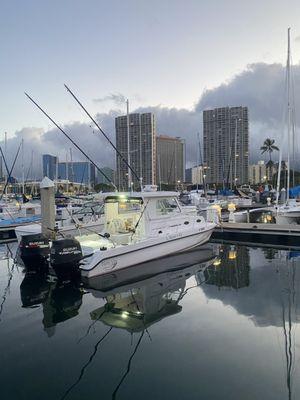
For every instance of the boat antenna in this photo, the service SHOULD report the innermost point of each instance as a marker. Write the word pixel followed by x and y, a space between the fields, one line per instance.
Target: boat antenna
pixel 103 133
pixel 72 141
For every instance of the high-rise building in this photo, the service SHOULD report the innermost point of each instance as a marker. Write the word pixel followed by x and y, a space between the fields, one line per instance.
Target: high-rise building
pixel 170 159
pixel 77 171
pixel 110 173
pixel 226 145
pixel 142 149
pixel 50 166
pixel 258 173
pixel 198 177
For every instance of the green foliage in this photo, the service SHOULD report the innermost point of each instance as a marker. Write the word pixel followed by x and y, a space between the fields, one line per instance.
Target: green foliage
pixel 104 187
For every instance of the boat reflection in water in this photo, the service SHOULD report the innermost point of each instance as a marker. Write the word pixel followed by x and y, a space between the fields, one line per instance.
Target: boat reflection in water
pixel 60 300
pixel 141 296
pixel 138 297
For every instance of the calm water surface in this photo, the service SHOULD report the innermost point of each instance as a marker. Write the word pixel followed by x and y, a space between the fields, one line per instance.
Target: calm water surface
pixel 223 326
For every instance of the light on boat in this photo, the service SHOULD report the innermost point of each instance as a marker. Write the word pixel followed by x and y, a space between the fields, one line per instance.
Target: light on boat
pixel 232 253
pixel 217 262
pixel 124 314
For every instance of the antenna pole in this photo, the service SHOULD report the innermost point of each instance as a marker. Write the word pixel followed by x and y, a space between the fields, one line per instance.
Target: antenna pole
pixel 71 140
pixel 288 66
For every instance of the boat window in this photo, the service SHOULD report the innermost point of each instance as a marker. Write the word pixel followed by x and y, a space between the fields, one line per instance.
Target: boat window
pixel 129 206
pixel 166 206
pixel 91 209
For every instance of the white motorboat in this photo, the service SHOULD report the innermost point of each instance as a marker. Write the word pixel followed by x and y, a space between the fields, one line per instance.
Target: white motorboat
pixel 14 210
pixel 140 227
pixel 282 215
pixel 71 221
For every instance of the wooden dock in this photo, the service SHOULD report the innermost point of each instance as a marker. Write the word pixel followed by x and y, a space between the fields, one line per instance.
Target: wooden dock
pixel 260 234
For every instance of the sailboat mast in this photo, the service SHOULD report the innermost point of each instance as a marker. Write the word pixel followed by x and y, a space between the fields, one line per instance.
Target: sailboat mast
pixel 23 173
pixel 128 146
pixel 5 150
pixel 288 114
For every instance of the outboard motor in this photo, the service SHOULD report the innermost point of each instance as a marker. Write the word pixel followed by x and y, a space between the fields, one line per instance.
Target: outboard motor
pixel 34 250
pixel 65 255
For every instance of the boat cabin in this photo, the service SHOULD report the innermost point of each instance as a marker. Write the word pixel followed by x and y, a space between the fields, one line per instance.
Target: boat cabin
pixel 139 214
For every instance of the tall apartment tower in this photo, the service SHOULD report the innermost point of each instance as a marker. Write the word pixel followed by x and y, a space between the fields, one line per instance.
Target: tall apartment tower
pixel 50 166
pixel 170 159
pixel 142 149
pixel 226 145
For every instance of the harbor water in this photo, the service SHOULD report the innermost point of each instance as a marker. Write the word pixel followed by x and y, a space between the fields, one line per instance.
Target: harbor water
pixel 218 323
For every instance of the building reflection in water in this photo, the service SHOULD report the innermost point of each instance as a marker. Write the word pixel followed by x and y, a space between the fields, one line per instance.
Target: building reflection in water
pixel 231 269
pixel 272 296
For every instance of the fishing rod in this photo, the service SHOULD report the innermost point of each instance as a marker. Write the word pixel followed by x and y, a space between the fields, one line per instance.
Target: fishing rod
pixel 71 140
pixel 10 172
pixel 104 134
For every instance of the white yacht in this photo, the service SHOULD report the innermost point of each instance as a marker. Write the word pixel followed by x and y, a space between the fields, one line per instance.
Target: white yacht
pixel 140 227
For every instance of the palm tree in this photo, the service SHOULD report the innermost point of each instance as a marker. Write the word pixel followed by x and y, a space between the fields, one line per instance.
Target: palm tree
pixel 268 147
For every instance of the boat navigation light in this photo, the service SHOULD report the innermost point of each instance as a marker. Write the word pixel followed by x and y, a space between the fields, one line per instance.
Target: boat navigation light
pixel 124 314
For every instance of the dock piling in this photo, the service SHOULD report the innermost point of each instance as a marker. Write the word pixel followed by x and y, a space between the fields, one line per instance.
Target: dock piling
pixel 48 207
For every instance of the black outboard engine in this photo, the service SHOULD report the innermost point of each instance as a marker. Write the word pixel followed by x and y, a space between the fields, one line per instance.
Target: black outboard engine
pixel 34 250
pixel 65 256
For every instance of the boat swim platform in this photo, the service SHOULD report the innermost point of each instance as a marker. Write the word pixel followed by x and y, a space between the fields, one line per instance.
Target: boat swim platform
pixel 287 236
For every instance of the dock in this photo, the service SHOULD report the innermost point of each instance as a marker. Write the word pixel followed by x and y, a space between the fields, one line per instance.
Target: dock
pixel 260 234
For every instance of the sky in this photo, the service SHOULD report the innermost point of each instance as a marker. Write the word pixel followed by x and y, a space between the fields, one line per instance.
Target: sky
pixel 170 56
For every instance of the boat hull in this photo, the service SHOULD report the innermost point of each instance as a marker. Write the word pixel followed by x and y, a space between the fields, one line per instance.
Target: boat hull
pixel 190 261
pixel 93 227
pixel 122 257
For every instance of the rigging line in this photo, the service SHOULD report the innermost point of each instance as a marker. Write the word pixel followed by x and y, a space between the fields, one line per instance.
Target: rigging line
pixel 286 348
pixel 10 172
pixel 90 327
pixel 70 139
pixel 81 182
pixel 2 155
pixel 6 290
pixel 101 130
pixel 29 169
pixel 171 166
pixel 86 365
pixel 128 367
pixel 290 365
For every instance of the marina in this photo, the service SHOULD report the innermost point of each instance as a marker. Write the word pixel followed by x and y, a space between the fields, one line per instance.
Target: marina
pixel 150 200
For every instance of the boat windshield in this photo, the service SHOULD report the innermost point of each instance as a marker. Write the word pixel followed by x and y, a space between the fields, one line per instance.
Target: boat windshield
pixel 167 206
pixel 90 209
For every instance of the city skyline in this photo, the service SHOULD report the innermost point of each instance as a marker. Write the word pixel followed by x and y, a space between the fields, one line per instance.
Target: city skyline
pixel 252 76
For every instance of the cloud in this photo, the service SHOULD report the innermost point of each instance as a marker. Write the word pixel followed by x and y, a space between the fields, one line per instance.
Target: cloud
pixel 259 86
pixel 116 98
pixel 297 38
